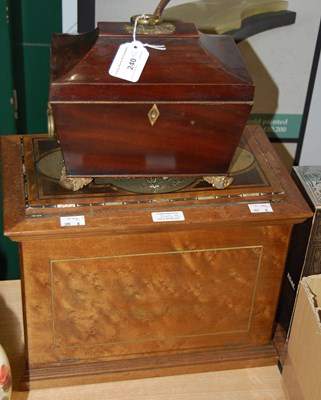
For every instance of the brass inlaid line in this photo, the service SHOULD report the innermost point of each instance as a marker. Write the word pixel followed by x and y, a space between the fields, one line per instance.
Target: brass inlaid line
pixel 151 340
pixel 157 339
pixel 255 287
pixel 154 253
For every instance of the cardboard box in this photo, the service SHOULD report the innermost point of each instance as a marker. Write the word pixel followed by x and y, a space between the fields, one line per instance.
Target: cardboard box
pixel 302 369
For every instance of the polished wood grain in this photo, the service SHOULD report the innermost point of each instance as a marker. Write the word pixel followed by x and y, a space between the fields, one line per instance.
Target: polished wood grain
pixel 245 384
pixel 181 143
pixel 120 299
pixel 123 297
pixel 200 85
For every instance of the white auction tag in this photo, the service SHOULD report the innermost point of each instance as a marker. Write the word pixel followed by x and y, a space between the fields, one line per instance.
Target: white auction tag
pixel 260 208
pixel 129 61
pixel 168 216
pixel 72 220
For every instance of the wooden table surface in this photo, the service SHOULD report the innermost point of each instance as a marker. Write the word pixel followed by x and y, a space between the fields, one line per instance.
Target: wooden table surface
pixel 262 383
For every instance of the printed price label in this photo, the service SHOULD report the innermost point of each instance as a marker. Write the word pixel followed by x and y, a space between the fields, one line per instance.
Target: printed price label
pixel 72 221
pixel 129 61
pixel 260 208
pixel 168 216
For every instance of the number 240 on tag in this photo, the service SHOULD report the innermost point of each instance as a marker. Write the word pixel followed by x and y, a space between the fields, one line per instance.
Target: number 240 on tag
pixel 129 61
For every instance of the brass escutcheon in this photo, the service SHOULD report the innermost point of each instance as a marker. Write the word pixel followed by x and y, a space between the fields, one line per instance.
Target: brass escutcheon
pixel 153 114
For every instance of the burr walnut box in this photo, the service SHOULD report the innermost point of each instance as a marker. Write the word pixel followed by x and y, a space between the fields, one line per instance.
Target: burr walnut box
pixel 183 117
pixel 119 285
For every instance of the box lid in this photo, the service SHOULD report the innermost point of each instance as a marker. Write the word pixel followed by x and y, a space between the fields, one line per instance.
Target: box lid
pixel 194 66
pixel 33 204
pixel 254 180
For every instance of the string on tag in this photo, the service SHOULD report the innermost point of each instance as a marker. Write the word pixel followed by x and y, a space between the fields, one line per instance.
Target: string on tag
pixel 152 46
pixel 131 58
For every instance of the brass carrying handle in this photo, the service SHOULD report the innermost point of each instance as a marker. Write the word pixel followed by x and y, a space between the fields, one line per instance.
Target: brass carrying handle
pixel 160 8
pixel 151 19
pixel 51 122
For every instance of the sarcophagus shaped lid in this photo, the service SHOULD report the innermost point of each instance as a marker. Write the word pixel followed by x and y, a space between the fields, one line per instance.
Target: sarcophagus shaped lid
pixel 183 116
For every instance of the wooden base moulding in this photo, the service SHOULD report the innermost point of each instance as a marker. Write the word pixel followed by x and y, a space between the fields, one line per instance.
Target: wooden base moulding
pixel 227 357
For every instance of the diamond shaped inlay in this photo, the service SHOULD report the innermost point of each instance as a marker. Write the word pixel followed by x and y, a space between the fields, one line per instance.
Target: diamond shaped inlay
pixel 153 114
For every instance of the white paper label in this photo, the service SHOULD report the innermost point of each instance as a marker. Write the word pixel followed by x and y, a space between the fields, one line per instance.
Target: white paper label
pixel 129 61
pixel 260 208
pixel 168 216
pixel 72 221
